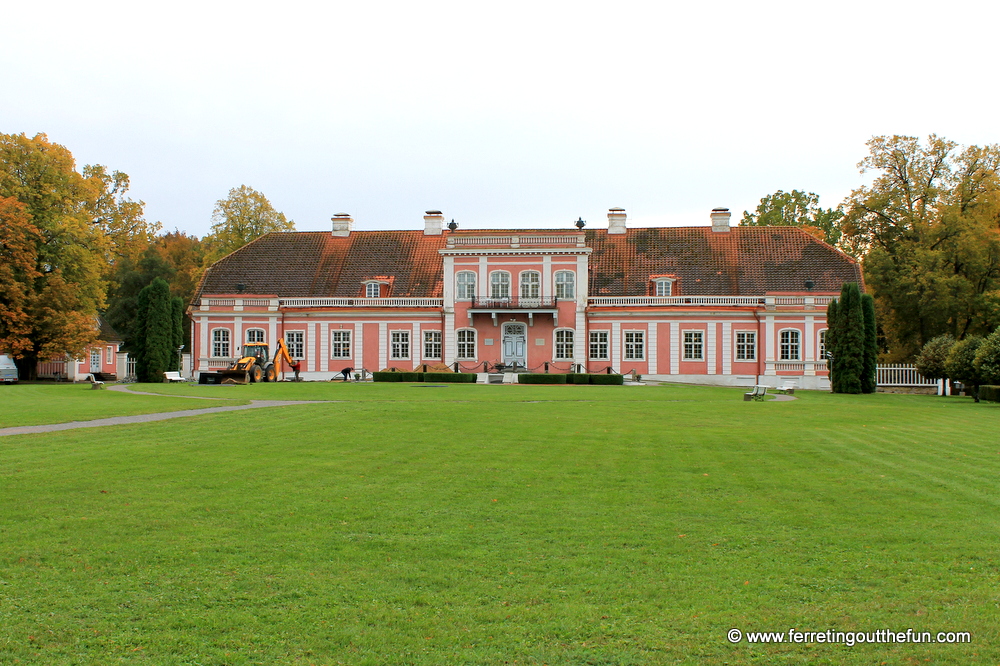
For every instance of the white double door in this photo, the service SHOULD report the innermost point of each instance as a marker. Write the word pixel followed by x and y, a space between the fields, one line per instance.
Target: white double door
pixel 515 344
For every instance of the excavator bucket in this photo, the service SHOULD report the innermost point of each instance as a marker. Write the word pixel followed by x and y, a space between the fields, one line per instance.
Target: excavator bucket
pixel 225 377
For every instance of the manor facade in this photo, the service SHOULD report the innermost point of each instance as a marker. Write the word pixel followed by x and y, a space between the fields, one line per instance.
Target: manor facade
pixel 712 304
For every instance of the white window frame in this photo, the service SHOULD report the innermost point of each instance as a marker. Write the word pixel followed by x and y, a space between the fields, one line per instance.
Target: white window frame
pixel 737 345
pixel 373 286
pixel 530 281
pixel 465 291
pixel 399 345
pixel 565 282
pixel 463 347
pixel 605 343
pixel 262 336
pixel 499 284
pixel 821 344
pixel 344 343
pixel 216 342
pixel 432 339
pixel 786 348
pixel 695 346
pixel 110 356
pixel 635 345
pixel 663 287
pixel 563 349
pixel 297 348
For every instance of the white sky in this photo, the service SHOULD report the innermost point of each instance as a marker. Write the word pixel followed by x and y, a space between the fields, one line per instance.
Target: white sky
pixel 518 114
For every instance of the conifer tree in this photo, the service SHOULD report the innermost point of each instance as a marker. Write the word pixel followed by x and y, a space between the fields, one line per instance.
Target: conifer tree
pixel 155 334
pixel 868 378
pixel 832 331
pixel 848 326
pixel 177 318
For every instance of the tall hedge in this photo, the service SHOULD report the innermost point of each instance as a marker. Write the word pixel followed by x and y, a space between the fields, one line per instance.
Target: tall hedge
pixel 848 341
pixel 177 318
pixel 987 361
pixel 870 358
pixel 832 323
pixel 155 334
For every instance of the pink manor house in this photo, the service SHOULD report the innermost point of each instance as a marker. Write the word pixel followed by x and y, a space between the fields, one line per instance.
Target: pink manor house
pixel 710 305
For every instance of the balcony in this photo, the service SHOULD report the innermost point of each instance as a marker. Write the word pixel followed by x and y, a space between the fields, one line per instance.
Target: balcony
pixel 496 307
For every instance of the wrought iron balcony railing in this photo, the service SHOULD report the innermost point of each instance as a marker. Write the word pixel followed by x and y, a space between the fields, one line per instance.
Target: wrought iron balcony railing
pixel 514 303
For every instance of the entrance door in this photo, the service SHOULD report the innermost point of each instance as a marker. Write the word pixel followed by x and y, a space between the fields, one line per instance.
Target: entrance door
pixel 95 360
pixel 515 345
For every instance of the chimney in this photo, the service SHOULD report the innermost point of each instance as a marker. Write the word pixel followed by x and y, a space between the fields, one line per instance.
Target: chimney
pixel 342 224
pixel 433 223
pixel 720 219
pixel 616 220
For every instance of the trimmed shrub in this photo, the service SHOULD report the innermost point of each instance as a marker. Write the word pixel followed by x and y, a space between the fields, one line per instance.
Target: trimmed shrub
pixel 578 378
pixel 612 380
pixel 454 377
pixel 411 376
pixel 987 361
pixel 870 357
pixel 541 379
pixel 989 393
pixel 386 376
pixel 932 359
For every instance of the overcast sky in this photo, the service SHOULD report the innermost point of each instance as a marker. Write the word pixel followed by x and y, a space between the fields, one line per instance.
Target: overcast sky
pixel 519 114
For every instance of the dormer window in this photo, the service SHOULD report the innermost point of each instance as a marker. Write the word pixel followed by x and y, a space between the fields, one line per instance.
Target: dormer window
pixel 377 288
pixel 662 286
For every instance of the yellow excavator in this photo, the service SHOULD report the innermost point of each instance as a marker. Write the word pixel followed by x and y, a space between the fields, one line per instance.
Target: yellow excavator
pixel 254 366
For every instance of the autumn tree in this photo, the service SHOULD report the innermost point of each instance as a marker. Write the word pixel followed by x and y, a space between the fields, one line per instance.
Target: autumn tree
pixel 928 229
pixel 78 224
pixel 240 218
pixel 796 209
pixel 18 238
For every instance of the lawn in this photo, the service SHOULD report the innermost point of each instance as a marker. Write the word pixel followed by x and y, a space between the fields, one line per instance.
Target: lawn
pixel 470 524
pixel 38 404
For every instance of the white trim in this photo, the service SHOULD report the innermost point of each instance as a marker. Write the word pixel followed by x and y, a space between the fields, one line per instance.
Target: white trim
pixel 546 288
pixel 645 337
pixel 246 335
pixel 736 346
pixel 520 283
pixel 499 272
pixel 651 345
pixel 409 344
pixel 663 280
pixel 475 286
pixel 359 345
pixel 616 342
pixel 675 347
pixel 710 354
pixel 383 345
pixel 555 345
pixel 423 344
pixel 229 342
pixel 727 348
pixel 700 331
pixel 350 343
pixel 305 342
pixel 798 345
pixel 475 344
pixel 607 344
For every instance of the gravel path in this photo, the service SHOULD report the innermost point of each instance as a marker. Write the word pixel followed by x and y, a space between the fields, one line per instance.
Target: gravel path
pixel 148 418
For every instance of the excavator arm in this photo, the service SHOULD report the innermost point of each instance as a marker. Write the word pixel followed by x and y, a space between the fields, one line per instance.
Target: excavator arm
pixel 281 352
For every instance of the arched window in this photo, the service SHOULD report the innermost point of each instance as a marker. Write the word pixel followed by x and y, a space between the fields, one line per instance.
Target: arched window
pixel 499 284
pixel 465 281
pixel 531 284
pixel 790 345
pixel 466 343
pixel 255 335
pixel 663 288
pixel 220 343
pixel 564 345
pixel 565 284
pixel 822 345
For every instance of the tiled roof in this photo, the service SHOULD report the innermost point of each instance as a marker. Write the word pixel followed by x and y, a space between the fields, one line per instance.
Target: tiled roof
pixel 105 333
pixel 315 263
pixel 745 261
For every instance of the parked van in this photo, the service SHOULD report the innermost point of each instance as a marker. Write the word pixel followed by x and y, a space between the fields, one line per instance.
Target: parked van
pixel 8 371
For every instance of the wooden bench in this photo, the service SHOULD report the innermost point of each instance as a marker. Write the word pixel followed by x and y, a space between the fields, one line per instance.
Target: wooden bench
pixel 757 393
pixel 95 384
pixel 173 376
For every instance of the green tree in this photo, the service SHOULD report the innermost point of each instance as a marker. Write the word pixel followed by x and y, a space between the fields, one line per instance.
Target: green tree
pixel 18 239
pixel 932 361
pixel 927 229
pixel 833 322
pixel 177 321
pixel 849 341
pixel 870 358
pixel 155 332
pixel 796 209
pixel 987 362
pixel 961 363
pixel 241 217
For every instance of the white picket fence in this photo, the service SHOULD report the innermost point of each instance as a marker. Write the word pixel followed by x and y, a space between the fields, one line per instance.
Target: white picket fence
pixel 901 374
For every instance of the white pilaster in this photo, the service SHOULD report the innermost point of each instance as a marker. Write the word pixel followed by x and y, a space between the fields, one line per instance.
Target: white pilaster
pixel 323 357
pixel 675 348
pixel 383 345
pixel 581 339
pixel 449 282
pixel 416 345
pixel 651 347
pixel 727 348
pixel 810 343
pixel 311 343
pixel 237 335
pixel 616 346
pixel 547 276
pixel 768 344
pixel 204 350
pixel 710 329
pixel 272 332
pixel 359 346
pixel 448 337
